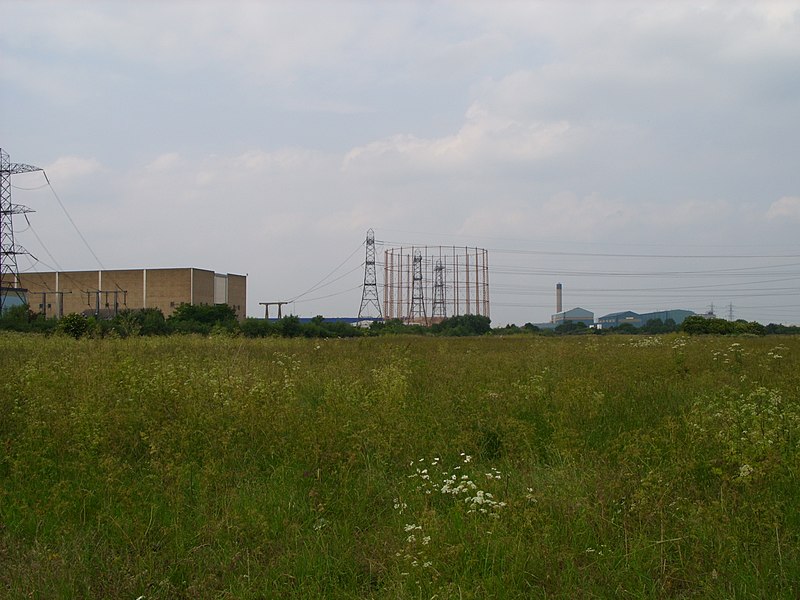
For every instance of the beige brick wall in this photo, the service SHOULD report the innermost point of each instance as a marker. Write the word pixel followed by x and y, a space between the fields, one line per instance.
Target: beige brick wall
pixel 75 284
pixel 146 288
pixel 37 285
pixel 8 280
pixel 167 288
pixel 203 286
pixel 129 280
pixel 237 294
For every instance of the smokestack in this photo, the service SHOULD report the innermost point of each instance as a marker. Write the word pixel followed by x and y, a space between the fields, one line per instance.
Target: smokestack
pixel 558 297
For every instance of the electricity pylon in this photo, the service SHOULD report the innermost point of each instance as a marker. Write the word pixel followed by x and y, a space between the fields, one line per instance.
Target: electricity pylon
pixel 369 292
pixel 9 270
pixel 417 313
pixel 438 308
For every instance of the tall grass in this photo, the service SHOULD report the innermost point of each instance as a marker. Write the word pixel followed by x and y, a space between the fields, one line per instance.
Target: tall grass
pixel 527 467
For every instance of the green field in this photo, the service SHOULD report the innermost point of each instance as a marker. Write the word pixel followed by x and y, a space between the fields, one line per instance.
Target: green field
pixel 400 467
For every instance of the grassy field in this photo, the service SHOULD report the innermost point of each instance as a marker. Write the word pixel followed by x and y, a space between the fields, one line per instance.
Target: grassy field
pixel 524 467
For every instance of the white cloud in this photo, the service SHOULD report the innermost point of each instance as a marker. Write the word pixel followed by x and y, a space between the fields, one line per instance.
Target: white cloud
pixel 485 139
pixel 787 207
pixel 165 162
pixel 66 169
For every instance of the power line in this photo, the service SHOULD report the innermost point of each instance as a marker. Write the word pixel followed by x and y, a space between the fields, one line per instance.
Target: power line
pixel 562 242
pixel 523 252
pixel 347 291
pixel 69 218
pixel 77 230
pixel 320 284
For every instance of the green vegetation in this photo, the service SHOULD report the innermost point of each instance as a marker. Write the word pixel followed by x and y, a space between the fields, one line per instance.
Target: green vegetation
pixel 220 319
pixel 700 325
pixel 595 466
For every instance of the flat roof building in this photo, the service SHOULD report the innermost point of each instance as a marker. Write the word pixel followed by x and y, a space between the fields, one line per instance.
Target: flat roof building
pixel 574 315
pixel 105 292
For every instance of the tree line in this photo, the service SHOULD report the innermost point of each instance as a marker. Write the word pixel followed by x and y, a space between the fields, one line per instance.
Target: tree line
pixel 220 319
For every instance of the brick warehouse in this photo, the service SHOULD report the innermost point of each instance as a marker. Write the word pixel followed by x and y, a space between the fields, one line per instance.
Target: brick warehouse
pixel 104 292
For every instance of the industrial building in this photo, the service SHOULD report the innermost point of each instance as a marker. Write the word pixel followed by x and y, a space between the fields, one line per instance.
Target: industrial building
pixel 104 292
pixel 638 320
pixel 573 315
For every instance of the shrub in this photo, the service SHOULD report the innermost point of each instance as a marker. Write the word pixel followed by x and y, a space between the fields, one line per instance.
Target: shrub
pixel 74 325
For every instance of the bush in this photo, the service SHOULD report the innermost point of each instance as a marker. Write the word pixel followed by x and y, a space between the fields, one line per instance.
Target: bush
pixel 696 324
pixel 259 328
pixel 73 325
pixel 463 325
pixel 21 318
pixel 201 318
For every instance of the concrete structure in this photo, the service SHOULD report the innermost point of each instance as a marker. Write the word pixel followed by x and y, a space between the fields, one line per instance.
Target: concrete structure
pixel 105 292
pixel 559 306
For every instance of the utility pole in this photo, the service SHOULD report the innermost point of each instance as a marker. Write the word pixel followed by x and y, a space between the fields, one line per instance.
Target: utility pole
pixel 9 270
pixel 730 312
pixel 370 304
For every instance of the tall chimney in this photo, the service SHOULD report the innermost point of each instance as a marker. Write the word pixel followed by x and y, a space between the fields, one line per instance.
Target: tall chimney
pixel 558 297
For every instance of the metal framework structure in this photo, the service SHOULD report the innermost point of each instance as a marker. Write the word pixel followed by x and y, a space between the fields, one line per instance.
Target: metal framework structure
pixel 9 270
pixel 417 313
pixel 370 304
pixel 456 278
pixel 439 310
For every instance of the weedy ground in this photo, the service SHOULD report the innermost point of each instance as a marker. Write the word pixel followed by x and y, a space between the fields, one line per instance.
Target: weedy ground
pixel 525 467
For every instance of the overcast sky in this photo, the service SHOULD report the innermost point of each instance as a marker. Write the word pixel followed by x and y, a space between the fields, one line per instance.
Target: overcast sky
pixel 589 143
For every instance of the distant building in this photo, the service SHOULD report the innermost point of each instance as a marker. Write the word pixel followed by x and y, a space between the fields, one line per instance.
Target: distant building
pixel 618 318
pixel 574 315
pixel 638 320
pixel 106 292
pixel 679 316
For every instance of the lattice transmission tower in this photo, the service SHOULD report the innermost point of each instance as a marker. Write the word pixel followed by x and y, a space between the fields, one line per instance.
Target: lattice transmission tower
pixel 439 305
pixel 417 313
pixel 9 250
pixel 370 304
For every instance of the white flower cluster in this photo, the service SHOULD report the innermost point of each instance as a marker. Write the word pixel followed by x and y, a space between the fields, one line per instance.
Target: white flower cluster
pixel 485 503
pixel 679 343
pixel 414 553
pixel 777 352
pixel 438 485
pixel 649 341
pixel 749 427
pixel 457 484
pixel 733 353
pixel 599 551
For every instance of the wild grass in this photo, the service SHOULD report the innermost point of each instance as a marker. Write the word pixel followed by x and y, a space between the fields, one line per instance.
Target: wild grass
pixel 525 467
